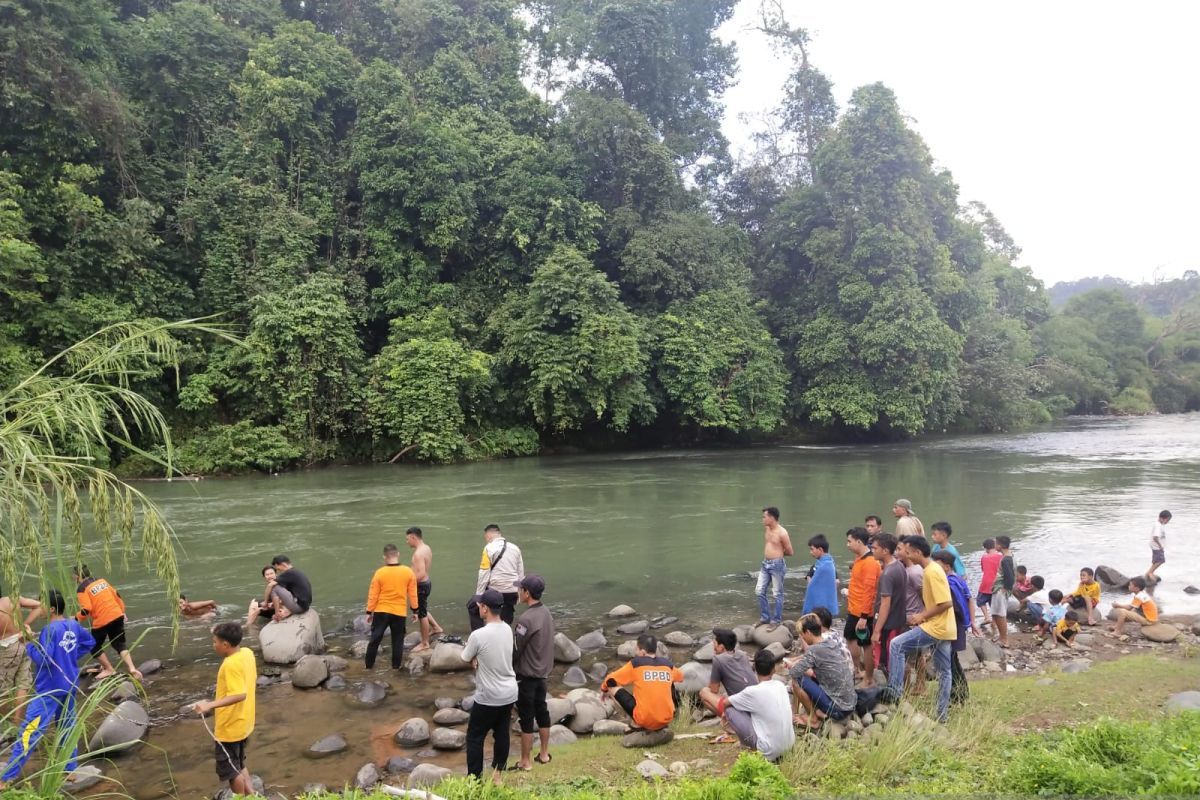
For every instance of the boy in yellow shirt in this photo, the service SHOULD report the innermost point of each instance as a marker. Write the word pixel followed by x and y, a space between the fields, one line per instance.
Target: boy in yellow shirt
pixel 1065 629
pixel 233 707
pixel 1086 594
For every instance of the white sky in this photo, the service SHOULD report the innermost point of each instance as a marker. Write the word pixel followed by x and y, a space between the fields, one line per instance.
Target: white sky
pixel 1076 123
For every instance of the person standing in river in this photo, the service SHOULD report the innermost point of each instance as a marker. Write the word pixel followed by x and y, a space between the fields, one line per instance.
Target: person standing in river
pixel 1157 536
pixel 291 592
pixel 777 545
pixel 422 565
pixel 501 568
pixel 393 591
pixel 907 523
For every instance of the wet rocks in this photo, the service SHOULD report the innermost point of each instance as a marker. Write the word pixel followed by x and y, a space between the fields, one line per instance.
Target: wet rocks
pixel 335 683
pixel 367 776
pixel 426 775
pixel 285 642
pixel 662 622
pixel 445 702
pixel 763 635
pixel 359 648
pixel 361 625
pixel 122 729
pixel 566 651
pixel 451 716
pixel 1111 577
pixel 705 653
pixel 679 639
pixel 369 693
pixel 560 734
pixel 622 611
pixel 575 678
pixel 592 641
pixel 326 746
pixel 559 708
pixel 310 672
pixel 633 628
pixel 126 691
pixel 336 663
pixel 82 778
pixel 1160 632
pixel 627 649
pixel 399 765
pixel 413 733
pixel 597 671
pixel 448 739
pixel 647 738
pixel 744 633
pixel 448 658
pixel 153 665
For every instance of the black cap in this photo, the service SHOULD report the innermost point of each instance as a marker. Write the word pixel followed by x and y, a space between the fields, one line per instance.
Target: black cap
pixel 534 585
pixel 492 599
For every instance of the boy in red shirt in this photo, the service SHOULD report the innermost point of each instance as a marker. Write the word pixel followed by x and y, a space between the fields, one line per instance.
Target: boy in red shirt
pixel 989 563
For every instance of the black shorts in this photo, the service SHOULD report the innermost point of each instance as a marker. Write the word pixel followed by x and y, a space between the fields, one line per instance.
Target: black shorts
pixel 532 711
pixel 114 632
pixel 1077 601
pixel 1158 556
pixel 852 625
pixel 231 759
pixel 423 590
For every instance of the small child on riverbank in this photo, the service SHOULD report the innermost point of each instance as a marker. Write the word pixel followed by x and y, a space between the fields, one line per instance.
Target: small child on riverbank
pixel 1024 586
pixel 1066 628
pixel 1054 611
pixel 233 707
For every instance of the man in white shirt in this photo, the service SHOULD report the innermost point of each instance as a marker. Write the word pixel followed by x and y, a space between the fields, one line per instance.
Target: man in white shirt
pixel 761 715
pixel 491 649
pixel 501 567
pixel 1158 535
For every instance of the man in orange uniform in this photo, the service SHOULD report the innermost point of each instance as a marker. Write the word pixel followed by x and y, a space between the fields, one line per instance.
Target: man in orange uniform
pixel 652 703
pixel 100 602
pixel 860 605
pixel 393 591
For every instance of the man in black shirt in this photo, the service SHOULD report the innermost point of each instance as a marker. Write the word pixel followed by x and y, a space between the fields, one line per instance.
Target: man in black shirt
pixel 292 591
pixel 533 663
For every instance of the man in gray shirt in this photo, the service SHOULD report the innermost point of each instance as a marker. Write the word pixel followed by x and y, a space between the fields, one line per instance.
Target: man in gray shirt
pixel 535 660
pixel 491 649
pixel 731 670
pixel 823 681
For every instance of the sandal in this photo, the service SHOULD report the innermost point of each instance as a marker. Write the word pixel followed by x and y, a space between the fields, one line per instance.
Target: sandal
pixel 549 758
pixel 517 768
pixel 723 738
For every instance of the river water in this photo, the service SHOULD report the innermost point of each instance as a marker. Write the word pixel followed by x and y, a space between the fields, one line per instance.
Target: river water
pixel 671 532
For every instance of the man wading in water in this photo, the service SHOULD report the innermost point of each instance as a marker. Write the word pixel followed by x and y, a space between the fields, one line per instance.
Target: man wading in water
pixel 776 546
pixel 422 563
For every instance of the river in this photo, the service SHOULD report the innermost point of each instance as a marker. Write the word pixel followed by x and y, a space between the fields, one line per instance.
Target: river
pixel 666 532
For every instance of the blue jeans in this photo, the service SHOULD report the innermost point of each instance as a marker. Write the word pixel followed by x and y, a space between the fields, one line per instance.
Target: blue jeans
pixel 915 639
pixel 772 573
pixel 821 699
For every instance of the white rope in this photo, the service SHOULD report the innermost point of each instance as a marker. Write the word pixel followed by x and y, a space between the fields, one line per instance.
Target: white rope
pixel 420 794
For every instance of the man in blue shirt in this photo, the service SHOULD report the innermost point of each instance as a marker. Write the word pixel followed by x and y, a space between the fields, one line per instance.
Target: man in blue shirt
pixel 822 584
pixel 55 659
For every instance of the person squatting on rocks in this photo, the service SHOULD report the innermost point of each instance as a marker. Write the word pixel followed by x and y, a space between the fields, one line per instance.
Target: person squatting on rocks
pixel 292 592
pixel 393 592
pixel 731 670
pixel 100 602
pixel 490 649
pixel 777 545
pixel 533 665
pixel 501 568
pixel 651 702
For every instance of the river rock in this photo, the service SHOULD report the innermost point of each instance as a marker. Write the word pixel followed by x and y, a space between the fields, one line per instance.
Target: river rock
pixel 327 746
pixel 561 734
pixel 598 670
pixel 359 648
pixel 744 633
pixel 1183 701
pixel 427 775
pixel 416 667
pixel 122 729
pixel 651 769
pixel 1160 632
pixel 336 663
pixel 781 635
pixel 586 715
pixel 361 625
pixel 679 639
pixel 627 649
pixel 592 641
pixel 1111 577
pixel 448 658
pixel 705 653
pixel 647 738
pixel 310 672
pixel 565 651
pixel 1086 639
pixel 575 678
pixel 967 657
pixel 1080 665
pixel 695 676
pixel 776 649
pixel 445 702
pixel 125 691
pixel 412 640
pixel 622 611
pixel 633 628
pixel 448 739
pixel 369 693
pixel 152 666
pixel 399 765
pixel 1014 607
pixel 560 708
pixel 451 716
pixel 609 727
pixel 1191 590
pixel 285 642
pixel 585 696
pixel 335 683
pixel 988 651
pixel 367 776
pixel 467 703
pixel 662 622
pixel 84 777
pixel 413 733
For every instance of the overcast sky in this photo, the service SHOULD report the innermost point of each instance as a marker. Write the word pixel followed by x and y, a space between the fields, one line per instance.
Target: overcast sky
pixel 1076 123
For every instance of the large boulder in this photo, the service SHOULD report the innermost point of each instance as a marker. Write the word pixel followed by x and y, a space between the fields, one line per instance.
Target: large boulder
pixel 987 650
pixel 585 696
pixel 310 672
pixel 744 633
pixel 561 734
pixel 622 611
pixel 361 625
pixel 776 649
pixel 1111 577
pixel 627 648
pixel 448 658
pixel 1183 701
pixel 705 653
pixel 560 708
pixel 285 642
pixel 575 678
pixel 679 639
pixel 326 746
pixel 427 775
pixel 448 739
pixel 413 733
pixel 586 715
pixel 695 676
pixel 1160 632
pixel 647 738
pixel 122 730
pixel 763 635
pixel 451 716
pixel 565 651
pixel 593 640
pixel 633 628
pixel 967 657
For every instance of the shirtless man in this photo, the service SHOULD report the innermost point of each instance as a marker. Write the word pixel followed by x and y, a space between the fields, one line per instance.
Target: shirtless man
pixel 776 546
pixel 15 675
pixel 197 609
pixel 422 562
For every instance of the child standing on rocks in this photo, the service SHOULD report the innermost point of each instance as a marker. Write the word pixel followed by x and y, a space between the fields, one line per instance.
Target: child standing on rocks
pixel 233 706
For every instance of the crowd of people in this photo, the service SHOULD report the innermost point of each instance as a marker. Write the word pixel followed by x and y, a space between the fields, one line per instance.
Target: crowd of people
pixel 906 601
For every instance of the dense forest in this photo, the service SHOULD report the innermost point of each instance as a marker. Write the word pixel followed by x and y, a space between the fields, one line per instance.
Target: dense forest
pixel 455 229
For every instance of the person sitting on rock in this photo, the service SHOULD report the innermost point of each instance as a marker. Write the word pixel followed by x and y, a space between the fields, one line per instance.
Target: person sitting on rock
pixel 194 609
pixel 731 670
pixel 1024 585
pixel 1141 607
pixel 651 704
pixel 263 610
pixel 822 677
pixel 291 592
pixel 761 714
pixel 1086 595
pixel 1052 613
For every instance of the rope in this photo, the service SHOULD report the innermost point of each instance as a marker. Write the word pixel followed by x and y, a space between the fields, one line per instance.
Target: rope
pixel 213 736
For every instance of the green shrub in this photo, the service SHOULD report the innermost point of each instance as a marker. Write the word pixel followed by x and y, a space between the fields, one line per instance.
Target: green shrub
pixel 1133 400
pixel 244 447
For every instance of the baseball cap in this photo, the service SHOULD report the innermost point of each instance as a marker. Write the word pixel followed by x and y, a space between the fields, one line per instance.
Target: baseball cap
pixel 906 505
pixel 534 585
pixel 491 598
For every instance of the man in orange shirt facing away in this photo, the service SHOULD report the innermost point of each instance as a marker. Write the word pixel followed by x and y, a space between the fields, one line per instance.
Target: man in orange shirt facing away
pixel 860 605
pixel 100 602
pixel 393 591
pixel 652 702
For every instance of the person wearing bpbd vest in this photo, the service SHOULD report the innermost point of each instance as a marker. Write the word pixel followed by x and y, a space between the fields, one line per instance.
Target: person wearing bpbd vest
pixel 100 602
pixel 501 568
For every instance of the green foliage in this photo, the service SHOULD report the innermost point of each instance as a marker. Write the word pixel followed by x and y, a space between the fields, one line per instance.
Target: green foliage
pixel 237 448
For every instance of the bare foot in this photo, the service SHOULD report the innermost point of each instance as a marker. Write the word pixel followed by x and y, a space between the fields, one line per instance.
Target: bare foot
pixel 104 673
pixel 421 648
pixel 437 630
pixel 282 614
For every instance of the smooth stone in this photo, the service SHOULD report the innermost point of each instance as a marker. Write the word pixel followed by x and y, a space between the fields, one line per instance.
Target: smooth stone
pixel 662 622
pixel 361 625
pixel 336 663
pixel 679 639
pixel 566 651
pixel 560 734
pixel 428 752
pixel 412 640
pixel 416 667
pixel 575 678
pixel 1085 639
pixel 1183 701
pixel 705 653
pixel 84 777
pixel 309 672
pixel 326 746
pixel 776 649
pixel 593 640
pixel 1111 577
pixel 988 651
pixel 1014 607
pixel 1161 633
pixel 367 776
pixel 126 691
pixel 467 703
pixel 413 733
pixel 285 642
pixel 967 657
pixel 627 649
pixel 451 716
pixel 122 729
pixel 650 769
pixel 426 775
pixel 448 658
pixel 586 715
pixel 559 708
pixel 359 649
pixel 609 727
pixel 448 739
pixel 678 768
pixel 335 683
pixel 369 693
pixel 633 628
pixel 1191 590
pixel 150 666
pixel 399 765
pixel 695 676
pixel 581 695
pixel 622 611
pixel 1076 667
pixel 647 738
pixel 598 670
pixel 744 633
pixel 783 635
pixel 445 702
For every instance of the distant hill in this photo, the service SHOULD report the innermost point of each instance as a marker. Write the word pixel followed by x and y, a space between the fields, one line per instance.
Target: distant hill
pixel 1156 298
pixel 1063 291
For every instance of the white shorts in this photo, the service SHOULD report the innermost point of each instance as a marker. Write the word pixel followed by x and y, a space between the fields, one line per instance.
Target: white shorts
pixel 999 603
